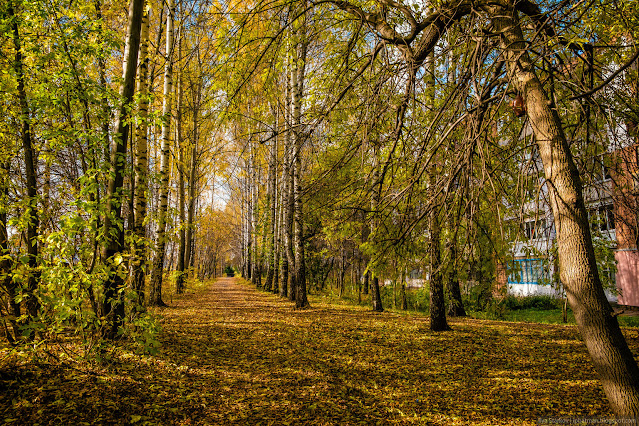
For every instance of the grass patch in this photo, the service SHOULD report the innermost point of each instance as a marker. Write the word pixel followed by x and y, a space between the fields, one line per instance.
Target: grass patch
pixel 543 316
pixel 628 321
pixel 548 316
pixel 532 309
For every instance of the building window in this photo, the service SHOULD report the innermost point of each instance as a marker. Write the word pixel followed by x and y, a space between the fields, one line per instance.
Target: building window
pixel 601 169
pixel 535 229
pixel 527 271
pixel 608 276
pixel 602 218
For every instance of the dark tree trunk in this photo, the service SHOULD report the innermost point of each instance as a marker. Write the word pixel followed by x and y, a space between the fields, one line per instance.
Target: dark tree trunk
pixel 456 305
pixel 342 272
pixel 6 262
pixel 403 292
pixel 367 276
pixel 113 228
pixel 376 297
pixel 290 254
pixel 30 164
pixel 181 263
pixel 437 307
pixel 300 266
pixel 359 280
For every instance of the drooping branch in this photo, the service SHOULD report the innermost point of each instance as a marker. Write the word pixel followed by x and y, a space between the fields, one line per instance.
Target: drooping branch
pixel 607 81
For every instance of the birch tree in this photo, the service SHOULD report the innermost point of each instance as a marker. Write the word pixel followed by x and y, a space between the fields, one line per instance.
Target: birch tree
pixel 155 293
pixel 139 251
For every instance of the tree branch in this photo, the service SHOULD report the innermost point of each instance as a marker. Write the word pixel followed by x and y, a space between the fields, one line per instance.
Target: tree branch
pixel 608 80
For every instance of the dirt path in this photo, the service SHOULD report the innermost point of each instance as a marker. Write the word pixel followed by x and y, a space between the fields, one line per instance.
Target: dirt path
pixel 234 355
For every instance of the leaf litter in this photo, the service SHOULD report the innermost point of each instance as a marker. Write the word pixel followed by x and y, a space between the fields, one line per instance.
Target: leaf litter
pixel 231 354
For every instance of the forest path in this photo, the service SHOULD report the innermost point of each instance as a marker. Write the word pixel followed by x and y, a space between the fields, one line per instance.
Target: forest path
pixel 232 354
pixel 249 357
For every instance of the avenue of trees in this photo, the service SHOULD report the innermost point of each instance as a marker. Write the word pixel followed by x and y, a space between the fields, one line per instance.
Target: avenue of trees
pixel 154 142
pixel 109 155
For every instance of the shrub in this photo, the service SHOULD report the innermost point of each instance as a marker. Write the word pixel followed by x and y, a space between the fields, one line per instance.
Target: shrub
pixel 497 310
pixel 479 297
pixel 512 302
pixel 540 302
pixel 417 299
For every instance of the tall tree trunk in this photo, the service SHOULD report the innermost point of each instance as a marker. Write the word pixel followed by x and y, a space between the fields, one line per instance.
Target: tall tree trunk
pixel 342 270
pixel 277 237
pixel 600 330
pixel 352 267
pixel 105 109
pixel 403 291
pixel 290 200
pixel 283 243
pixel 365 232
pixel 298 74
pixel 456 305
pixel 45 219
pixel 256 276
pixel 437 307
pixel 290 253
pixel 275 214
pixel 155 293
pixel 139 253
pixel 193 181
pixel 271 210
pixel 243 225
pixel 376 298
pixel 113 229
pixel 359 279
pixel 97 150
pixel 30 164
pixel 6 261
pixel 248 186
pixel 179 279
pixel 367 276
pixel 99 154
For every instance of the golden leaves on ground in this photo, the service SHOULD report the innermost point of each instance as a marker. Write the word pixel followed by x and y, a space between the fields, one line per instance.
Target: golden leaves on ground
pixel 233 355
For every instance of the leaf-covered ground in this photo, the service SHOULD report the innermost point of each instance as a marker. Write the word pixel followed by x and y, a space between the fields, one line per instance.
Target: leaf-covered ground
pixel 234 355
